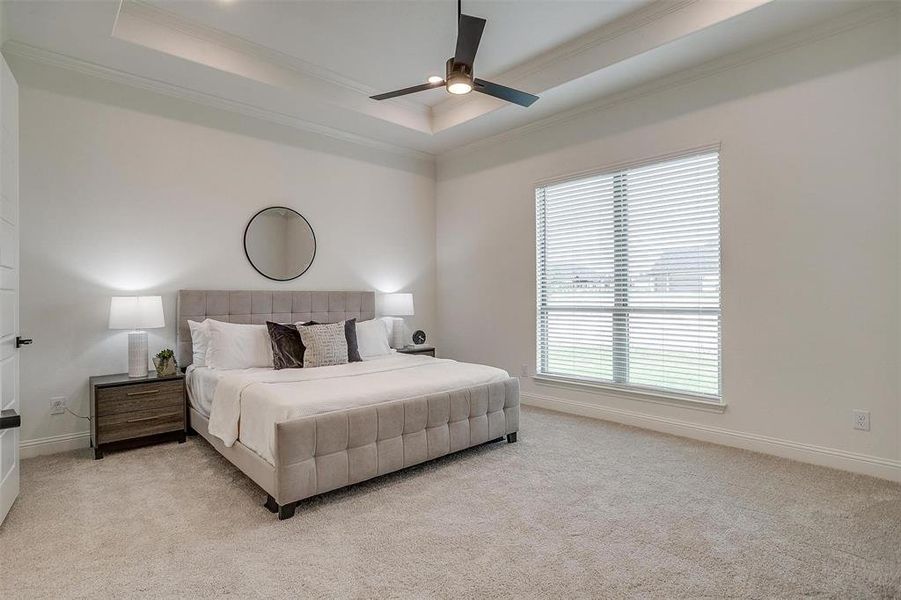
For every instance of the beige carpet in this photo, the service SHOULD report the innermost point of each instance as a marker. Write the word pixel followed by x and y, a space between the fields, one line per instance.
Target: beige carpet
pixel 576 508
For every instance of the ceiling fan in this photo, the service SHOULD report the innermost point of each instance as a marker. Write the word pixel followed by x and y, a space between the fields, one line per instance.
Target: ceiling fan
pixel 459 79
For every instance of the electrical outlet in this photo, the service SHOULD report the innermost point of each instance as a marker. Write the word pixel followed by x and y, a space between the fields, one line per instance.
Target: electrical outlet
pixel 58 405
pixel 862 420
pixel 524 370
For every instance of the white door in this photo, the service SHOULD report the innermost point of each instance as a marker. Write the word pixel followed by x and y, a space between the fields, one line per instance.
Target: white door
pixel 9 288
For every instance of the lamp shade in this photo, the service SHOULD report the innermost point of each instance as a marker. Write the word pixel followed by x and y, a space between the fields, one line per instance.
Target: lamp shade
pixel 397 305
pixel 136 312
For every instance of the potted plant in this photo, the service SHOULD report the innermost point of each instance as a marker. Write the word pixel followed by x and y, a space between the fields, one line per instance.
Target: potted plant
pixel 165 363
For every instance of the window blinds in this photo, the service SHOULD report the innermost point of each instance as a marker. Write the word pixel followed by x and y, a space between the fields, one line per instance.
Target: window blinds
pixel 628 277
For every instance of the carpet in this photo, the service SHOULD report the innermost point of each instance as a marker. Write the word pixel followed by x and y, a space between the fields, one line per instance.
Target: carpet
pixel 577 508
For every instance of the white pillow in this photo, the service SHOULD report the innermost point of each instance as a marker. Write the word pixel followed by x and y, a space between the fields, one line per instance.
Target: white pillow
pixel 372 338
pixel 200 340
pixel 238 346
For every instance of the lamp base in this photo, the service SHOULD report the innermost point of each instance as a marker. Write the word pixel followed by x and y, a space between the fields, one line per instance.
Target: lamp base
pixel 398 333
pixel 137 354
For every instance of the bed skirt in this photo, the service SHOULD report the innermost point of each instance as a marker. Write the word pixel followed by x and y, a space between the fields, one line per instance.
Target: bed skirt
pixel 324 452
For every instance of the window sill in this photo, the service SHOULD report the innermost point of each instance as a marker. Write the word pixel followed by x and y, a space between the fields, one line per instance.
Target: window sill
pixel 683 401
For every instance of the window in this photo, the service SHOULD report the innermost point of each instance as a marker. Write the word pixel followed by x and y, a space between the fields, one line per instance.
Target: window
pixel 629 277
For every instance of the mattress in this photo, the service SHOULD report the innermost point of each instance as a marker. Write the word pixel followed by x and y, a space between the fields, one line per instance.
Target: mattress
pixel 245 404
pixel 201 383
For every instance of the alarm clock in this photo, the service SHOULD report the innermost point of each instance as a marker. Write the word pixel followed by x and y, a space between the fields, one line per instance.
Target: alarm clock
pixel 419 336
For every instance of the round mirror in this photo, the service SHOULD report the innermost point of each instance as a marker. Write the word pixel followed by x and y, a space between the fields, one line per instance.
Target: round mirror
pixel 279 243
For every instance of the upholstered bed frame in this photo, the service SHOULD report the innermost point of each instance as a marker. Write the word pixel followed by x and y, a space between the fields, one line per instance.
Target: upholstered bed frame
pixel 319 453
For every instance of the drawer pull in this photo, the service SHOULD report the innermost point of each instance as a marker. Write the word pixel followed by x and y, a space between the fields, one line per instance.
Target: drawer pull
pixel 144 393
pixel 153 417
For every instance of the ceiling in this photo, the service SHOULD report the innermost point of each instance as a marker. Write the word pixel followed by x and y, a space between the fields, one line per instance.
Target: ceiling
pixel 313 64
pixel 389 45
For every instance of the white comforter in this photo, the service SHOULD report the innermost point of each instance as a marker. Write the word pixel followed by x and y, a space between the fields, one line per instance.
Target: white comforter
pixel 248 403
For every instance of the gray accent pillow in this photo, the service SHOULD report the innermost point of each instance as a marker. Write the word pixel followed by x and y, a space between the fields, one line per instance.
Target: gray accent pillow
pixel 350 334
pixel 287 347
pixel 325 345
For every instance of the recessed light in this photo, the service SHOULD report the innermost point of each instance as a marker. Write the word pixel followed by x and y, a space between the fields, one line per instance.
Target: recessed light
pixel 435 79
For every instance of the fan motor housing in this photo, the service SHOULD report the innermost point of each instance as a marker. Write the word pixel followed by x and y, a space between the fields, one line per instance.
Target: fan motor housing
pixel 457 71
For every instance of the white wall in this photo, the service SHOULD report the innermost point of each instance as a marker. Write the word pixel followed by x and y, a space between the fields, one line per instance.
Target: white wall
pixel 810 243
pixel 124 191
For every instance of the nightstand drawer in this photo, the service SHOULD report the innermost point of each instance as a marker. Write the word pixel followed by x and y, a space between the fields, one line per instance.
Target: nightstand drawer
pixel 123 426
pixel 131 398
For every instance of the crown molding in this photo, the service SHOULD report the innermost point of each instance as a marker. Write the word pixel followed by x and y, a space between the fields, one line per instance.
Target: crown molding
pixel 77 65
pixel 628 23
pixel 849 21
pixel 170 20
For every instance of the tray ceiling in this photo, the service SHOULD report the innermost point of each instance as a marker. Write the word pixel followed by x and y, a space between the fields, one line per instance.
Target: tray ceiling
pixel 313 64
pixel 387 45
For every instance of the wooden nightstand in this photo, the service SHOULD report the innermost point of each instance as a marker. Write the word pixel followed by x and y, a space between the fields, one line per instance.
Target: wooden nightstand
pixel 427 350
pixel 133 411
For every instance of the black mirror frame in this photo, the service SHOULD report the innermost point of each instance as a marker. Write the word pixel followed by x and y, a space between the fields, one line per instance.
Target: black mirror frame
pixel 312 231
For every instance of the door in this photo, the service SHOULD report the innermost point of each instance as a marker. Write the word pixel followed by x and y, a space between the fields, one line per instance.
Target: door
pixel 9 289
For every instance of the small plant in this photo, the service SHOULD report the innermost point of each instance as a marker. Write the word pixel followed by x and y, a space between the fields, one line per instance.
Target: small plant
pixel 165 363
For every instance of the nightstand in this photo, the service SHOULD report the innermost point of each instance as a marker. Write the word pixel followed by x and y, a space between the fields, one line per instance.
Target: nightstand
pixel 423 349
pixel 133 411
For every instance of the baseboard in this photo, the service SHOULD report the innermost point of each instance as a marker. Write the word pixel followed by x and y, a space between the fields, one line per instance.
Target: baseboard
pixel 818 455
pixel 54 444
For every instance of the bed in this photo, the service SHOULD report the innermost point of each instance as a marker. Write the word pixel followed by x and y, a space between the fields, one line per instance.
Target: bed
pixel 298 433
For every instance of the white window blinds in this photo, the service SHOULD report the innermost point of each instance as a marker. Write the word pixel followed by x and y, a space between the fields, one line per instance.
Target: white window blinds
pixel 629 277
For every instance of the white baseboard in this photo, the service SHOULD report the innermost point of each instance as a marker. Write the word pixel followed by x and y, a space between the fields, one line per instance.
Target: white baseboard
pixel 875 466
pixel 54 444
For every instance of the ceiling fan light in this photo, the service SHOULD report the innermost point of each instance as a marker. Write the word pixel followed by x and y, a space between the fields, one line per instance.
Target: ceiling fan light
pixel 435 79
pixel 459 87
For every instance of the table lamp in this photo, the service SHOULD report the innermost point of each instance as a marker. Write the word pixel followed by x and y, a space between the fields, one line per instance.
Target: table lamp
pixel 398 305
pixel 136 313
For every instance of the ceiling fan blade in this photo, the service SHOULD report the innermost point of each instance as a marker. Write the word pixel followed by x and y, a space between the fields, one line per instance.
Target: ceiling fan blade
pixel 410 90
pixel 469 34
pixel 504 93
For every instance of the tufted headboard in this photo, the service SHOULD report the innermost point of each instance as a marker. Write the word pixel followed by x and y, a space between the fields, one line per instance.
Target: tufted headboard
pixel 244 306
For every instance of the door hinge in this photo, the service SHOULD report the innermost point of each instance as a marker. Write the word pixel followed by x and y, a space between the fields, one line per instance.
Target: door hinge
pixel 20 341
